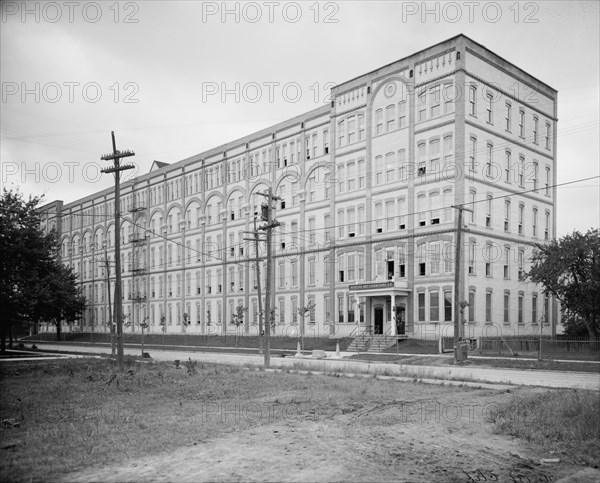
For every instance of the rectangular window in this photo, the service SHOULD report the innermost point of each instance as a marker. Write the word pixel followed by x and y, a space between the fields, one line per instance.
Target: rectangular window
pixel 390 117
pixel 390 218
pixel 434 95
pixel 535 130
pixel 327 221
pixel 521 170
pixel 471 306
pixel 401 114
pixel 447 306
pixel 534 222
pixel 506 307
pixel 294 311
pixel 506 262
pixel 473 155
pixel 294 274
pixel 547 137
pixel 435 257
pixel 281 311
pixel 521 123
pixel 520 309
pixel 534 309
pixel 351 175
pixel 281 274
pixel 341 133
pixel 361 173
pixel 488 307
pixel 361 220
pixel 350 305
pixel 351 130
pixel 434 306
pixel 421 306
pixel 508 116
pixel 311 271
pixel 490 104
pixel 351 267
pixel 361 127
pixel 422 106
pixel 507 215
pixel 472 101
pixel 379 121
pixel 449 95
pixel 520 227
pixel 434 154
pixel 488 260
pixel 340 308
pixel 490 160
pixel 448 150
pixel 521 264
pixel 361 266
pixel 488 215
pixel 471 258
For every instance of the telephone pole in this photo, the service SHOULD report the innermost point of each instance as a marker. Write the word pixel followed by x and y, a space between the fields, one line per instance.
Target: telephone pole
pixel 457 267
pixel 256 239
pixel 266 215
pixel 117 168
pixel 110 322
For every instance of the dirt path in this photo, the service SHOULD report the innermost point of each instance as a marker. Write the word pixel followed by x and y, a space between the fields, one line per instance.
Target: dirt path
pixel 413 441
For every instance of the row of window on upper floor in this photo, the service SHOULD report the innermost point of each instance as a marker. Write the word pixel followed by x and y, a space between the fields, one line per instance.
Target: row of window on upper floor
pixel 522 173
pixel 531 128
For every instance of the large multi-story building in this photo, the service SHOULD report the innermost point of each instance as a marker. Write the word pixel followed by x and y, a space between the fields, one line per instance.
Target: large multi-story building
pixel 367 236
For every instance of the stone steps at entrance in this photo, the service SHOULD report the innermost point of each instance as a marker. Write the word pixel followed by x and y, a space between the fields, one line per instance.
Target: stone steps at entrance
pixel 373 343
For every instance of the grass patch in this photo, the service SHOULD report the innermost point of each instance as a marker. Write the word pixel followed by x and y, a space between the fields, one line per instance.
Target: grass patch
pixel 194 340
pixel 64 415
pixel 576 366
pixel 567 422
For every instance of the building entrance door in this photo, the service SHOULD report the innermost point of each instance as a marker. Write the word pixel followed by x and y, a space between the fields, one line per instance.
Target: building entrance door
pixel 400 320
pixel 378 326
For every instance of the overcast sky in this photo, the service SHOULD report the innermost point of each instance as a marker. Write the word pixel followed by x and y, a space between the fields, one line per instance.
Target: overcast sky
pixel 176 78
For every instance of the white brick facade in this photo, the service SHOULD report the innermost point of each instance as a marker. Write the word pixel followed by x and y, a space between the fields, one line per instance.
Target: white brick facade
pixel 368 183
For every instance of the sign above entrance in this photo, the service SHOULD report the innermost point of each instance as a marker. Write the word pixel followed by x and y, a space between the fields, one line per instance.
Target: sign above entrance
pixel 372 286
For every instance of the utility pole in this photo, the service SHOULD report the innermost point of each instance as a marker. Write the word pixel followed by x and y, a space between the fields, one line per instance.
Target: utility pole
pixel 261 343
pixel 117 168
pixel 457 266
pixel 267 212
pixel 110 322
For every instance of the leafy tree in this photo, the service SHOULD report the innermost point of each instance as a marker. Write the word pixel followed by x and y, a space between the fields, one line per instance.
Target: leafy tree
pixel 303 312
pixel 58 298
pixel 34 287
pixel 574 325
pixel 238 319
pixel 569 269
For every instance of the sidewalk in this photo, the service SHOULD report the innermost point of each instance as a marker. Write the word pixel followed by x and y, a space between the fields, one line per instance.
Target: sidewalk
pixel 556 379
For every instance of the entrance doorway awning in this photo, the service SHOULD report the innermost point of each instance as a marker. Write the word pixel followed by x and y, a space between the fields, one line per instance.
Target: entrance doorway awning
pixel 398 293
